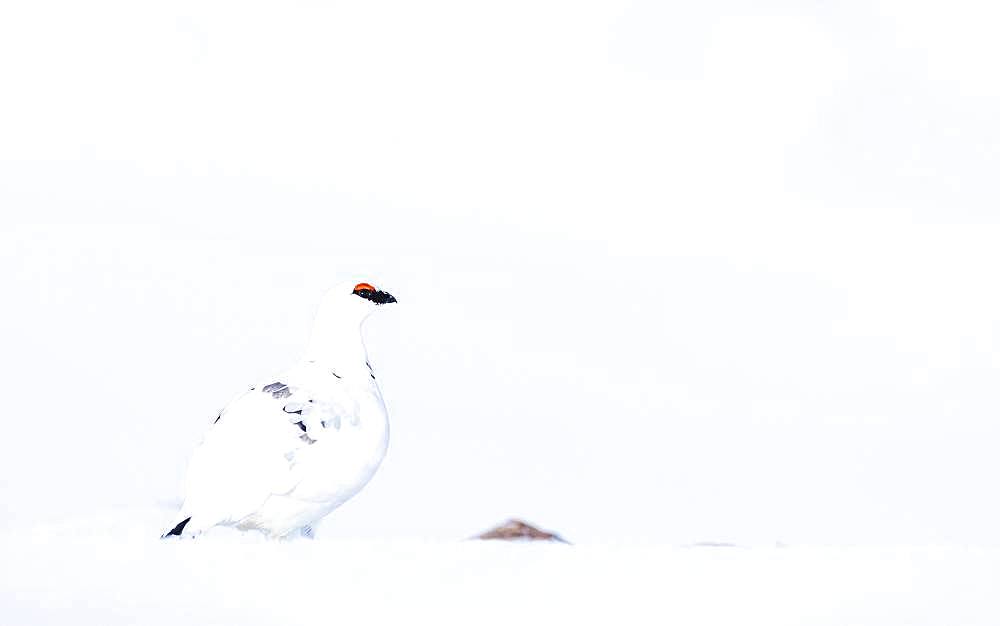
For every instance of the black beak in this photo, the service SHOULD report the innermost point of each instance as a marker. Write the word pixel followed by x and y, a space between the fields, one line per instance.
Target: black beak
pixel 382 297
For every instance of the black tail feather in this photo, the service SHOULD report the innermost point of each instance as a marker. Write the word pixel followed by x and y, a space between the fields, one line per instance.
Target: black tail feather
pixel 177 530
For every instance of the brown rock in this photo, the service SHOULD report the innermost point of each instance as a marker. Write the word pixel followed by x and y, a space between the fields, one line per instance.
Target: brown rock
pixel 517 530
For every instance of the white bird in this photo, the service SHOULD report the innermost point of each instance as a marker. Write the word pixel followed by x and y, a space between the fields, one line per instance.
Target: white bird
pixel 294 447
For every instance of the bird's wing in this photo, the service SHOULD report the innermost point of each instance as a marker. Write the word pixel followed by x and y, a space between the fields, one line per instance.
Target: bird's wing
pixel 250 451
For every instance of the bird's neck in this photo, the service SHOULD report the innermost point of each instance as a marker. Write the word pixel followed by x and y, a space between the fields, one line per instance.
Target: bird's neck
pixel 339 347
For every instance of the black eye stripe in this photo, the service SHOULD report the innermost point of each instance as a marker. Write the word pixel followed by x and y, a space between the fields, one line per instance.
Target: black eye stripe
pixel 374 295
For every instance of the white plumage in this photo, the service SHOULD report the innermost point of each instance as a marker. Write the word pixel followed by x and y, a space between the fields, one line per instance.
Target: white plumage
pixel 295 446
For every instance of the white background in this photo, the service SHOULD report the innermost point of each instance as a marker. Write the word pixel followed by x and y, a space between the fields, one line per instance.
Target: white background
pixel 718 271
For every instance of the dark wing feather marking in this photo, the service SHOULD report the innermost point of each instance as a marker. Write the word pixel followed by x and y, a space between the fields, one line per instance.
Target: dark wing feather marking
pixel 277 389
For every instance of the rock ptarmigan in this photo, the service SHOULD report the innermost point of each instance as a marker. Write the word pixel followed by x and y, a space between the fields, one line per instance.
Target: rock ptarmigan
pixel 294 447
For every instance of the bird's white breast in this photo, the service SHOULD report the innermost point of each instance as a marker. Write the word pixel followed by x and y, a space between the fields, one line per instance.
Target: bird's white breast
pixel 351 436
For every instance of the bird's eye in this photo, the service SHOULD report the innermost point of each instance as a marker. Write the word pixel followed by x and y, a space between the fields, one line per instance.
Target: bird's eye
pixel 363 288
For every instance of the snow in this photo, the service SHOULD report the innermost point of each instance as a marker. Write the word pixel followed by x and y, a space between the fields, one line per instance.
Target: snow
pixel 112 569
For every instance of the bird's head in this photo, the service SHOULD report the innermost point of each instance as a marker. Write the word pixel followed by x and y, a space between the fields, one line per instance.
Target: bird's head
pixel 371 295
pixel 354 301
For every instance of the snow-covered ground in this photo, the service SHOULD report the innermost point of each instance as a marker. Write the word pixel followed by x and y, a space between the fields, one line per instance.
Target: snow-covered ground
pixel 112 569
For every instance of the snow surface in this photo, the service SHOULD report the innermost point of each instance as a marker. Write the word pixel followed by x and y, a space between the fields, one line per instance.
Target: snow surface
pixel 113 569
